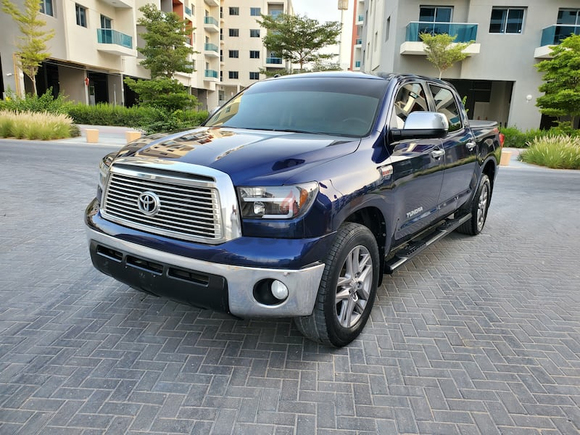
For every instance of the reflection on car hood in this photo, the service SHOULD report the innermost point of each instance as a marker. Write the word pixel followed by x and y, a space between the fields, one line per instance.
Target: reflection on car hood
pixel 244 154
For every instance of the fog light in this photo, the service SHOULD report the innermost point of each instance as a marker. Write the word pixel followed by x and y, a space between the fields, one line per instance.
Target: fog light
pixel 279 290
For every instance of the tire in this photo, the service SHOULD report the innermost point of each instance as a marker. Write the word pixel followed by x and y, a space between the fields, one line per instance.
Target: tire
pixel 478 208
pixel 344 303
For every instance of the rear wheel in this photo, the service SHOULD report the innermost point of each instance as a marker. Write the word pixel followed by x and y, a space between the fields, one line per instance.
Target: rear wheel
pixel 347 289
pixel 478 208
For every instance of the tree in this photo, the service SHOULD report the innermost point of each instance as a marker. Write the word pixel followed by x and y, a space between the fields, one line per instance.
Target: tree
pixel 32 50
pixel 561 85
pixel 299 39
pixel 166 53
pixel 442 51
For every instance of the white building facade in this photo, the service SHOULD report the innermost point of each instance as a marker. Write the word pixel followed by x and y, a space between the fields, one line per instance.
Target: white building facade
pixel 95 42
pixel 499 78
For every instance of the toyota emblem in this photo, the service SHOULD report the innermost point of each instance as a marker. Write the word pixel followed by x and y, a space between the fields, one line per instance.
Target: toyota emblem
pixel 148 202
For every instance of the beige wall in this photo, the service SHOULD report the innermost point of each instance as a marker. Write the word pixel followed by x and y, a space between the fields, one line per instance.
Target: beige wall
pixel 502 57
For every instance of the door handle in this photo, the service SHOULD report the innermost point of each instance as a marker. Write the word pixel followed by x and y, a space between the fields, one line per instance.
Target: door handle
pixel 436 154
pixel 470 145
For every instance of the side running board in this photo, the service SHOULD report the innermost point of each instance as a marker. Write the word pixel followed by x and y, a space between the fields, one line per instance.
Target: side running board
pixel 415 247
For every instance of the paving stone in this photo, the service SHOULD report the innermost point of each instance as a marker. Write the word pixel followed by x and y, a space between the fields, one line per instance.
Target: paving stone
pixel 477 335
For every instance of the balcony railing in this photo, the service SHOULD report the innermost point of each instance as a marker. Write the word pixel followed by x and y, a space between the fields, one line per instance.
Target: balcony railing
pixel 110 36
pixel 465 32
pixel 357 64
pixel 188 11
pixel 211 74
pixel 358 42
pixel 274 60
pixel 360 18
pixel 210 20
pixel 553 35
pixel 210 47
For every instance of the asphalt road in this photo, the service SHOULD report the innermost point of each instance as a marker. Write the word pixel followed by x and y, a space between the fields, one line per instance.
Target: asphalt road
pixel 475 335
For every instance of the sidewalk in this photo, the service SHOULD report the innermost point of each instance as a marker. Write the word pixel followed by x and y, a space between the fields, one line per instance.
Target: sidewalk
pixel 108 135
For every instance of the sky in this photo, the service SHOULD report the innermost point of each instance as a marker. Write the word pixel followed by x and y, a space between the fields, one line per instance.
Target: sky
pixel 321 10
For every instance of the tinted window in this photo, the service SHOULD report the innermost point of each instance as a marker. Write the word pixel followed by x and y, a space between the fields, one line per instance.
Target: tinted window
pixel 410 98
pixel 333 107
pixel 506 20
pixel 445 103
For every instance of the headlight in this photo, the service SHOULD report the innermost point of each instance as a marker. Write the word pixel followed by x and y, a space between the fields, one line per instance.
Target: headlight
pixel 104 166
pixel 277 202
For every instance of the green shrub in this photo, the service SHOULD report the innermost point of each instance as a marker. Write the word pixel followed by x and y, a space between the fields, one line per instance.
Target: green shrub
pixel 515 138
pixel 558 152
pixel 45 103
pixel 32 125
pixel 150 119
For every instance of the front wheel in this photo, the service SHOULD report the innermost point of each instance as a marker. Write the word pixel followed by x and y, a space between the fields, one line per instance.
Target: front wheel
pixel 347 290
pixel 478 208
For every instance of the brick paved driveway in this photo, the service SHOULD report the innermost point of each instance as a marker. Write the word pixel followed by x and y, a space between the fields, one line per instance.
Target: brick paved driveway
pixel 477 335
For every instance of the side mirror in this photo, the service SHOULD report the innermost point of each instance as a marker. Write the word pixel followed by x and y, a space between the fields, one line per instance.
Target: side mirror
pixel 422 125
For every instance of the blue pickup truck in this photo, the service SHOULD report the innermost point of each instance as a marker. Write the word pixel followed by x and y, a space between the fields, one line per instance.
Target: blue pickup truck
pixel 295 197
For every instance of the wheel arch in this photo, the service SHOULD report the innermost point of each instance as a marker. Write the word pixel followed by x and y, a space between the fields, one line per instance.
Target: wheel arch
pixel 372 218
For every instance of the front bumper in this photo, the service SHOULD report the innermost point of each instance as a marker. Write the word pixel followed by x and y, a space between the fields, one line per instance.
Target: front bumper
pixel 221 287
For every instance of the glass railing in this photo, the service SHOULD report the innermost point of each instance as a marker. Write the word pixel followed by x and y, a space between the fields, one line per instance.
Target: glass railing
pixel 274 60
pixel 554 34
pixel 210 73
pixel 110 36
pixel 210 47
pixel 360 18
pixel 188 10
pixel 210 20
pixel 464 32
pixel 358 42
pixel 357 64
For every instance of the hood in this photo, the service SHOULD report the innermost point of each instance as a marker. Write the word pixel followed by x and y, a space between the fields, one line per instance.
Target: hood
pixel 247 156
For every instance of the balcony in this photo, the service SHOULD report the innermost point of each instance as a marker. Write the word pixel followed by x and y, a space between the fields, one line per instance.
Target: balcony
pixel 360 19
pixel 358 41
pixel 113 42
pixel 357 64
pixel 212 3
pixel 188 11
pixel 553 35
pixel 463 32
pixel 211 50
pixel 211 75
pixel 274 62
pixel 121 4
pixel 211 24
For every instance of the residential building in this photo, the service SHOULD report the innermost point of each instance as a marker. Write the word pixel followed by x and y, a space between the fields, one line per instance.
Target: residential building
pixel 95 42
pixel 242 52
pixel 499 77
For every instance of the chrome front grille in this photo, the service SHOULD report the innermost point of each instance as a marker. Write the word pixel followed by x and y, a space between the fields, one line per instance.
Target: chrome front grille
pixel 181 207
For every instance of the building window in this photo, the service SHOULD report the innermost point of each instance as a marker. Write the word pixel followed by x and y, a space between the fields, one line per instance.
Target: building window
pixel 255 12
pixel 233 74
pixel 569 16
pixel 234 33
pixel 106 22
pixel 46 7
pixel 434 20
pixel 234 11
pixel 234 54
pixel 569 24
pixel 506 20
pixel 254 75
pixel 254 54
pixel 254 33
pixel 81 13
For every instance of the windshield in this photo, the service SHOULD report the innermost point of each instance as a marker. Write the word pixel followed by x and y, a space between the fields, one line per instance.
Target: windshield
pixel 331 106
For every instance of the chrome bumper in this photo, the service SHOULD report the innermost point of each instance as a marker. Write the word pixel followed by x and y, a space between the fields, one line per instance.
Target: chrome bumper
pixel 302 284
